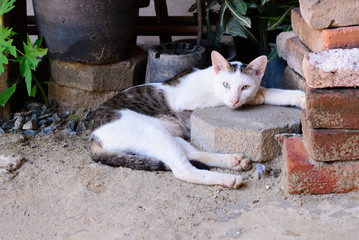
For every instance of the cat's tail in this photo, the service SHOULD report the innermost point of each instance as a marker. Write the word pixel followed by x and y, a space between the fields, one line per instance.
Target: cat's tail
pixel 119 159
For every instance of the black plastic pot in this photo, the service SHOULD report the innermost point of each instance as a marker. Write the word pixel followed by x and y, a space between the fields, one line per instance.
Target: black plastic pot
pixel 89 31
pixel 168 59
pixel 226 51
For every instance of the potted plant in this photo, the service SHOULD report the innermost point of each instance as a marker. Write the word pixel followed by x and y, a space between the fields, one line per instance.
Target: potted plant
pixel 253 20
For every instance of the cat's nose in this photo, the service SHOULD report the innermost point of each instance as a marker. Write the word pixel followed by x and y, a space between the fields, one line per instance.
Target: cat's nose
pixel 234 101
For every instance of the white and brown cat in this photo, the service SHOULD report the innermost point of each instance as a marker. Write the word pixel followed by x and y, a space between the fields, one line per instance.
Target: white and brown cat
pixel 147 127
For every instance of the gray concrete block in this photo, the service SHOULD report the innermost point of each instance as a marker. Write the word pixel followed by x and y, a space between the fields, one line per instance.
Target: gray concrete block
pixel 296 51
pixel 76 98
pixel 249 130
pixel 101 77
pixel 281 43
pixel 293 80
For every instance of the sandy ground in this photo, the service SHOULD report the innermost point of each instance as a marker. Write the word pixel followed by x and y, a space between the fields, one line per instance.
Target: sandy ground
pixel 59 193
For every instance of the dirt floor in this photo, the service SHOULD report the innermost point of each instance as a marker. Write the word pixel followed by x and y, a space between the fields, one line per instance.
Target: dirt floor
pixel 59 193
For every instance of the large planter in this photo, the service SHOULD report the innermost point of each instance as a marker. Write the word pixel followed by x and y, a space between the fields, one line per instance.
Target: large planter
pixel 169 59
pixel 89 31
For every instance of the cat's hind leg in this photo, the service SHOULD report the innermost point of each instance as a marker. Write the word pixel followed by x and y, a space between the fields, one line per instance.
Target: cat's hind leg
pixel 146 136
pixel 231 161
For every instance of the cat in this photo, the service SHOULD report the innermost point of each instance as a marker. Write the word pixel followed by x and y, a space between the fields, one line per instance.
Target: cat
pixel 147 127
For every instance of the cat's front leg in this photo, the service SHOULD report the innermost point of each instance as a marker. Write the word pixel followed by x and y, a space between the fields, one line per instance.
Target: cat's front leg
pixel 258 99
pixel 275 96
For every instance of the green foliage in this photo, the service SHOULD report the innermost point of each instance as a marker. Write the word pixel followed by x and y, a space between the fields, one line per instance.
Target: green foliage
pixel 28 59
pixel 247 18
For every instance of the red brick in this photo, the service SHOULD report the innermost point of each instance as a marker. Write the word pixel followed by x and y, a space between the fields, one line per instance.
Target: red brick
pixel 306 176
pixel 319 40
pixel 296 51
pixel 330 144
pixel 329 13
pixel 332 108
pixel 332 68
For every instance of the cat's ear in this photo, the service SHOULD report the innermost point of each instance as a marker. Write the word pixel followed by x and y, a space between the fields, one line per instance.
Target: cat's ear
pixel 219 63
pixel 257 67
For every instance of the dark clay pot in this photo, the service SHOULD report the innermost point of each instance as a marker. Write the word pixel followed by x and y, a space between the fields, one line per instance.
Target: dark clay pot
pixel 226 51
pixel 168 59
pixel 89 31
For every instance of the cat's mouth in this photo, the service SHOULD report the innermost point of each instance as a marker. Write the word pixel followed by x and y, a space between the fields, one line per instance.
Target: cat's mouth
pixel 234 106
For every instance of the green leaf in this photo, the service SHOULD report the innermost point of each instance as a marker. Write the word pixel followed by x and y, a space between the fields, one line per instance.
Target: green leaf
pixel 192 8
pixel 272 55
pixel 251 36
pixel 234 28
pixel 29 61
pixel 252 5
pixel 241 6
pixel 245 21
pixel 222 13
pixel 33 91
pixel 3 60
pixel 5 34
pixel 6 94
pixel 264 2
pixel 280 20
pixel 6 6
pixel 38 42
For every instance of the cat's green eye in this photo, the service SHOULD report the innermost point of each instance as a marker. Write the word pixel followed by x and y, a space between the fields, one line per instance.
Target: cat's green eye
pixel 226 85
pixel 246 87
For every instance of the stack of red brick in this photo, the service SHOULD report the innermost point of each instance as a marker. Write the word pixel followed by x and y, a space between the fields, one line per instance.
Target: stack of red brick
pixel 326 158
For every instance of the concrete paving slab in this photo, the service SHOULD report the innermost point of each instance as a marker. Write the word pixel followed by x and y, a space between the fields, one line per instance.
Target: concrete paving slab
pixel 250 129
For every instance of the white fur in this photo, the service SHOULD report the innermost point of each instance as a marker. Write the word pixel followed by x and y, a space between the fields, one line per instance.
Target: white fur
pixel 149 136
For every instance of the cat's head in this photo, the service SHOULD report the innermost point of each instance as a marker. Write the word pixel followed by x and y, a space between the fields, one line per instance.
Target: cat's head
pixel 237 83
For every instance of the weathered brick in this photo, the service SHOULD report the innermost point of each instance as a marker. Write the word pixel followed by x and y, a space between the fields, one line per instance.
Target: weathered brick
pixel 332 108
pixel 320 14
pixel 76 98
pixel 330 144
pixel 281 43
pixel 332 68
pixel 249 130
pixel 319 40
pixel 101 77
pixel 296 51
pixel 293 80
pixel 306 176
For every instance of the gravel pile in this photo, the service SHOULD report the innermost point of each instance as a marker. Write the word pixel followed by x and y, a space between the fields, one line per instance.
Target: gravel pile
pixel 38 120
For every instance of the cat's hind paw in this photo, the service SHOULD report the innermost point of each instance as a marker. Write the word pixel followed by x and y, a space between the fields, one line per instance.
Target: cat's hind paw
pixel 232 181
pixel 240 162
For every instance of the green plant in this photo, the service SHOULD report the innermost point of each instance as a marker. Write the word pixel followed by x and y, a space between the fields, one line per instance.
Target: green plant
pixel 28 59
pixel 251 19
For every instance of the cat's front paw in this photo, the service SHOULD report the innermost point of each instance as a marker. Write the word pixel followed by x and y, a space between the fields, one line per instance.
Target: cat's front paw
pixel 300 100
pixel 232 181
pixel 259 99
pixel 240 162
